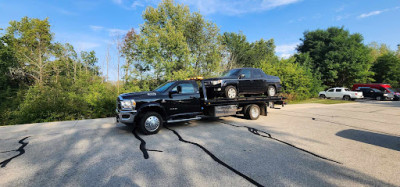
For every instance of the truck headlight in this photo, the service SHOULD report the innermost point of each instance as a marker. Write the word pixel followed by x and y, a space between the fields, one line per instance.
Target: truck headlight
pixel 128 104
pixel 216 82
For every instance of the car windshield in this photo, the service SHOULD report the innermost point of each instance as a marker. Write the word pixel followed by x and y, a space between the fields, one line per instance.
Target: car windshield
pixel 164 87
pixel 231 73
pixel 346 89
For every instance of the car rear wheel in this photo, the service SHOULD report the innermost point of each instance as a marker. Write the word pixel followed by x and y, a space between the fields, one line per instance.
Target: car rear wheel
pixel 252 112
pixel 346 98
pixel 151 123
pixel 322 96
pixel 230 92
pixel 271 91
pixel 378 98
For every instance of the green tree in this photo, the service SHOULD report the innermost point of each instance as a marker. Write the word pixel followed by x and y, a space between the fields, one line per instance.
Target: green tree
pixel 237 48
pixel 32 44
pixel 387 69
pixel 241 53
pixel 174 43
pixel 338 56
pixel 298 81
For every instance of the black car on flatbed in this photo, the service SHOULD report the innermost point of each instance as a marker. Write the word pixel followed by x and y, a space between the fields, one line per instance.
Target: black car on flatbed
pixel 243 81
pixel 178 101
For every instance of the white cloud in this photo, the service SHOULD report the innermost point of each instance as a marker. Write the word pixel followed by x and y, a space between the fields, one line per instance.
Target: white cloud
pixel 286 50
pixel 84 46
pixel 235 7
pixel 111 31
pixel 96 28
pixel 229 7
pixel 373 13
pixel 116 32
pixel 137 4
pixel 376 12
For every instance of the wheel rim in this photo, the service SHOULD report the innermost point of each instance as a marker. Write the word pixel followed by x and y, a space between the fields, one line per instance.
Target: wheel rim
pixel 271 91
pixel 378 98
pixel 152 123
pixel 231 93
pixel 254 111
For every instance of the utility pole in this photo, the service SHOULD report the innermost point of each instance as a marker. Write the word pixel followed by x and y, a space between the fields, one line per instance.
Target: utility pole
pixel 107 60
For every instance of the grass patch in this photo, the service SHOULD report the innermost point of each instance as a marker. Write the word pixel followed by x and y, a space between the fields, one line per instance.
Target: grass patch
pixel 320 101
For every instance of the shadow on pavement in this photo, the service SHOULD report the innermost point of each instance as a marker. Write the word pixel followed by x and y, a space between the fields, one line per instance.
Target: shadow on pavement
pixel 382 140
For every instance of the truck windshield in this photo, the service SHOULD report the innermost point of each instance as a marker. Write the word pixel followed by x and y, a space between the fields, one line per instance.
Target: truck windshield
pixel 164 87
pixel 231 73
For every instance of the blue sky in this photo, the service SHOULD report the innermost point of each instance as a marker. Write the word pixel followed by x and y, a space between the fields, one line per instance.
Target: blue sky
pixel 94 24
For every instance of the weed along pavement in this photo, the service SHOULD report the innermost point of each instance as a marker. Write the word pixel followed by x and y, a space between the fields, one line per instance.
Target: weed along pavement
pixel 351 144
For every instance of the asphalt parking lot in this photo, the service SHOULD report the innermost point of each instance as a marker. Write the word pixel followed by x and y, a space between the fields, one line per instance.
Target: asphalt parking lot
pixel 353 144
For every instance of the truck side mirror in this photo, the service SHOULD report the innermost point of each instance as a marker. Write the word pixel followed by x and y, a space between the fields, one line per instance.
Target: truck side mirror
pixel 242 76
pixel 172 93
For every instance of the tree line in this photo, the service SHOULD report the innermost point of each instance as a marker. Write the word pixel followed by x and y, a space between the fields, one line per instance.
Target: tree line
pixel 44 80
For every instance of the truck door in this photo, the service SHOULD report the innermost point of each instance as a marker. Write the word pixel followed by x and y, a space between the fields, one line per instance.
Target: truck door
pixel 260 84
pixel 330 93
pixel 246 84
pixel 185 100
pixel 338 93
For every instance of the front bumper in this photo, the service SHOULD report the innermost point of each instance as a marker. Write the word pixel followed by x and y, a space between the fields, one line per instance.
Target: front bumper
pixel 127 117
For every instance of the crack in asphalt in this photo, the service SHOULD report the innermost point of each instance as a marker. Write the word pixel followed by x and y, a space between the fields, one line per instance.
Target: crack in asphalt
pixel 268 135
pixel 216 159
pixel 143 145
pixel 21 151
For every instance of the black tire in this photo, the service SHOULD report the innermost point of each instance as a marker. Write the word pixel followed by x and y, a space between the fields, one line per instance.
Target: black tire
pixel 252 112
pixel 322 96
pixel 346 98
pixel 271 91
pixel 378 98
pixel 231 92
pixel 154 123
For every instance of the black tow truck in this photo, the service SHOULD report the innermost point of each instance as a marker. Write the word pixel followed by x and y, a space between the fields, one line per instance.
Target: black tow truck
pixel 185 100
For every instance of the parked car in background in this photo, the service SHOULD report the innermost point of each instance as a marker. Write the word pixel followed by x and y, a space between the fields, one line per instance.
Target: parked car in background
pixel 385 88
pixel 342 93
pixel 374 93
pixel 243 81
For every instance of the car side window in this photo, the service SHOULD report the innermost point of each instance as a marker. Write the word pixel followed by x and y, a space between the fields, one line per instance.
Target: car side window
pixel 257 73
pixel 338 90
pixel 247 73
pixel 330 90
pixel 186 88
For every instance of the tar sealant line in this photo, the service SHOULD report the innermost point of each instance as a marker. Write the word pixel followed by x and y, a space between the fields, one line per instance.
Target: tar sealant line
pixel 21 151
pixel 268 135
pixel 216 159
pixel 143 145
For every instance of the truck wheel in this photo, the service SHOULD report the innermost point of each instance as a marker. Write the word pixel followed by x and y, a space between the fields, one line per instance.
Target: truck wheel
pixel 252 112
pixel 230 92
pixel 322 96
pixel 271 91
pixel 346 98
pixel 151 123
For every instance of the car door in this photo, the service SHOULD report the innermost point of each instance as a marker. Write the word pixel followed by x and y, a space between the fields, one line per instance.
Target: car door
pixel 186 102
pixel 330 93
pixel 338 92
pixel 246 85
pixel 260 84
